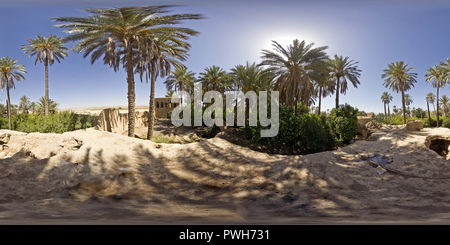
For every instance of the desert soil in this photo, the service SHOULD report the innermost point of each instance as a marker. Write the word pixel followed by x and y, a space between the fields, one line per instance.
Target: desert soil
pixel 95 177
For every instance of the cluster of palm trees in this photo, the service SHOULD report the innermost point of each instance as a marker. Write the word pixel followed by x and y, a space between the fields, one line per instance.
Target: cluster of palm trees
pixel 143 40
pixel 301 73
pixel 400 78
pixel 46 51
pixel 42 106
pixel 148 41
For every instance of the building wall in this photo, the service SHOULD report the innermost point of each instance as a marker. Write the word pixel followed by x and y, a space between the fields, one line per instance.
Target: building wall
pixel 163 106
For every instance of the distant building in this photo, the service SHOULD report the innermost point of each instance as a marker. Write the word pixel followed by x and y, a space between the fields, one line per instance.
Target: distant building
pixel 163 106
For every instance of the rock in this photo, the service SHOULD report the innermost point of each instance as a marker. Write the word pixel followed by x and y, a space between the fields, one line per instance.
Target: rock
pixel 4 138
pixel 366 130
pixel 414 125
pixel 71 143
pixel 373 125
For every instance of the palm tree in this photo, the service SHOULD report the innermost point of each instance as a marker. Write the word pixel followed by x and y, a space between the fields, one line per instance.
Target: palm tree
pixel 130 36
pixel 436 75
pixel 399 78
pixel 24 104
pixel 47 50
pixel 325 87
pixel 395 109
pixel 40 106
pixel 33 107
pixel 215 78
pixel 444 101
pixel 430 99
pixel 251 77
pixel 10 71
pixel 170 93
pixel 180 80
pixel 341 70
pixel 386 98
pixel 408 101
pixel 295 69
pixel 446 66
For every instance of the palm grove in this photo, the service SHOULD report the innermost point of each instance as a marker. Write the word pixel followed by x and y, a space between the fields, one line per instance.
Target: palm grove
pixel 149 42
pixel 399 77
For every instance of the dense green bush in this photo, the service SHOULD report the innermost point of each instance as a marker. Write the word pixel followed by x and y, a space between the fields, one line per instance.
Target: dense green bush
pixel 55 123
pixel 443 122
pixel 343 123
pixel 303 132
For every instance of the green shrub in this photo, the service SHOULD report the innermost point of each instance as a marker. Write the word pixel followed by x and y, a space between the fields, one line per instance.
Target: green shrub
pixel 303 132
pixel 343 123
pixel 444 122
pixel 55 123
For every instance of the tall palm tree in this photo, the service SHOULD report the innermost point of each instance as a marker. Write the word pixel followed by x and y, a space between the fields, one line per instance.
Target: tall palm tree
pixel 24 104
pixel 251 77
pixel 343 69
pixel 444 102
pixel 324 88
pixel 408 101
pixel 129 36
pixel 156 59
pixel 180 80
pixel 436 75
pixel 295 69
pixel 47 50
pixel 10 71
pixel 429 98
pixel 215 78
pixel 398 77
pixel 446 66
pixel 385 98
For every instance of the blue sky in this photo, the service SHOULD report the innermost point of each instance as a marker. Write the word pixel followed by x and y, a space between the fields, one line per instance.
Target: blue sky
pixel 374 33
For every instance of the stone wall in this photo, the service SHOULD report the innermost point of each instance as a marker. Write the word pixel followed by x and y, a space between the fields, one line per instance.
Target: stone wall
pixel 111 120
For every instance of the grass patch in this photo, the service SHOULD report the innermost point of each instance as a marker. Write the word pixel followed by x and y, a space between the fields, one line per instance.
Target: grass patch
pixel 166 139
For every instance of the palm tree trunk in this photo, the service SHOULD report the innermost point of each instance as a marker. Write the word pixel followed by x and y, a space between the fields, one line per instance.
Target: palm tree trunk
pixel 131 91
pixel 151 109
pixel 385 114
pixel 389 110
pixel 46 89
pixel 437 105
pixel 337 93
pixel 320 100
pixel 404 107
pixel 429 116
pixel 9 107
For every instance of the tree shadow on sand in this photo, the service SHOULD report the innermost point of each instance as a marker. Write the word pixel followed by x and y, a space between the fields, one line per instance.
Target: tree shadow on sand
pixel 214 180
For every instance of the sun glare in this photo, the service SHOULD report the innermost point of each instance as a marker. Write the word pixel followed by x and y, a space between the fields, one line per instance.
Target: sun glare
pixel 285 40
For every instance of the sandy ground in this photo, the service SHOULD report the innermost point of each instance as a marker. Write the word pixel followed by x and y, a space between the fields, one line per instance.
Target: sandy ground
pixel 94 177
